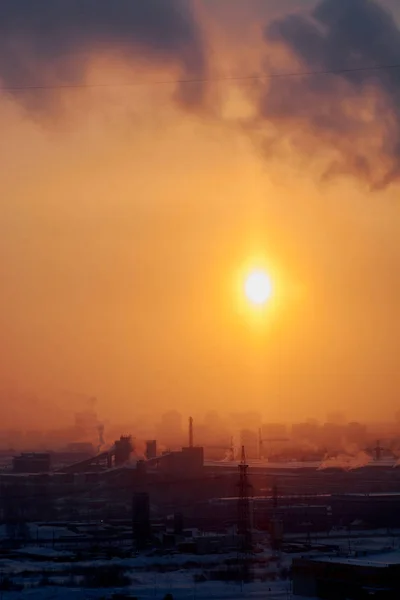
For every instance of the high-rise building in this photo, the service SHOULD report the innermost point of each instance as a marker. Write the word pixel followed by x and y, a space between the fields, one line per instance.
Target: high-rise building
pixel 273 430
pixel 356 433
pixel 249 439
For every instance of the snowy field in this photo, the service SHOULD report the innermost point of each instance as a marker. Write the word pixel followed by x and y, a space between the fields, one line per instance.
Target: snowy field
pixel 46 573
pixel 179 590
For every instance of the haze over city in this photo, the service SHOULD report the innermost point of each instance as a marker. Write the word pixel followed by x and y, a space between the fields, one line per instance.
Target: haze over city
pixel 199 255
pixel 145 175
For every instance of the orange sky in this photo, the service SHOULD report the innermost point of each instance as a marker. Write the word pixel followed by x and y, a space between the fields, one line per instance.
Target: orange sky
pixel 126 222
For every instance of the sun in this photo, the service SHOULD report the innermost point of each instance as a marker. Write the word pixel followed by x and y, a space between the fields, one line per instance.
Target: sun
pixel 258 287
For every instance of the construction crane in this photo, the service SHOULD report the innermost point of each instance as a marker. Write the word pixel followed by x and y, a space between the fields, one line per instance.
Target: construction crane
pixel 262 440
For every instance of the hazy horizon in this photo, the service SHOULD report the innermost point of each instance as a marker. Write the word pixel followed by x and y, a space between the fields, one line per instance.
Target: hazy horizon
pixel 130 215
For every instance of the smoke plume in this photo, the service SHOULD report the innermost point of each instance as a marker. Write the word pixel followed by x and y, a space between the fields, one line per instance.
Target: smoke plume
pixel 50 42
pixel 351 117
pixel 346 462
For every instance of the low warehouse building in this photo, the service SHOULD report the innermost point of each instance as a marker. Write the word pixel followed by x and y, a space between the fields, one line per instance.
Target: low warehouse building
pixel 337 578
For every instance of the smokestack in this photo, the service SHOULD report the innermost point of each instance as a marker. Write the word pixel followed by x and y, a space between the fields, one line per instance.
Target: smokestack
pixel 190 432
pixel 243 457
pixel 100 430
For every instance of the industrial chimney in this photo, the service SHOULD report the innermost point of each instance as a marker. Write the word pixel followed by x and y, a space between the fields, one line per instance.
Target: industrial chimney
pixel 190 432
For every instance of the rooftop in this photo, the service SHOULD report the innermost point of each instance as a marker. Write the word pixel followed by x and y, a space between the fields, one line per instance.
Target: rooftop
pixel 385 559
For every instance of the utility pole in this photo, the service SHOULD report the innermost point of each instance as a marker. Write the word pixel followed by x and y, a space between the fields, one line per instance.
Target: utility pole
pixel 378 450
pixel 244 524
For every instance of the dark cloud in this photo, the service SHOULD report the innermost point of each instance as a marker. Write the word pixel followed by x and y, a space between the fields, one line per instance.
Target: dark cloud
pixel 49 42
pixel 354 117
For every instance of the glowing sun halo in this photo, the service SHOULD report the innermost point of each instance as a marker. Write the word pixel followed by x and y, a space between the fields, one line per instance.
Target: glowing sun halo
pixel 258 287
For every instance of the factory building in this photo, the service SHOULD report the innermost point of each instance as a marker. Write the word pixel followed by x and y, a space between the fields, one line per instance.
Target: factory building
pixel 32 462
pixel 188 462
pixel 336 578
pixel 123 449
pixel 374 510
pixel 151 449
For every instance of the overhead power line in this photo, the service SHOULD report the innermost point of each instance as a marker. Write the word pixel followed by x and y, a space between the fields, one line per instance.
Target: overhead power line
pixel 194 80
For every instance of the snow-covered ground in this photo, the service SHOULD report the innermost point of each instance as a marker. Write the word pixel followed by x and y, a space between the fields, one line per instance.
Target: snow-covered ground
pixel 49 574
pixel 150 576
pixel 180 590
pixel 39 531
